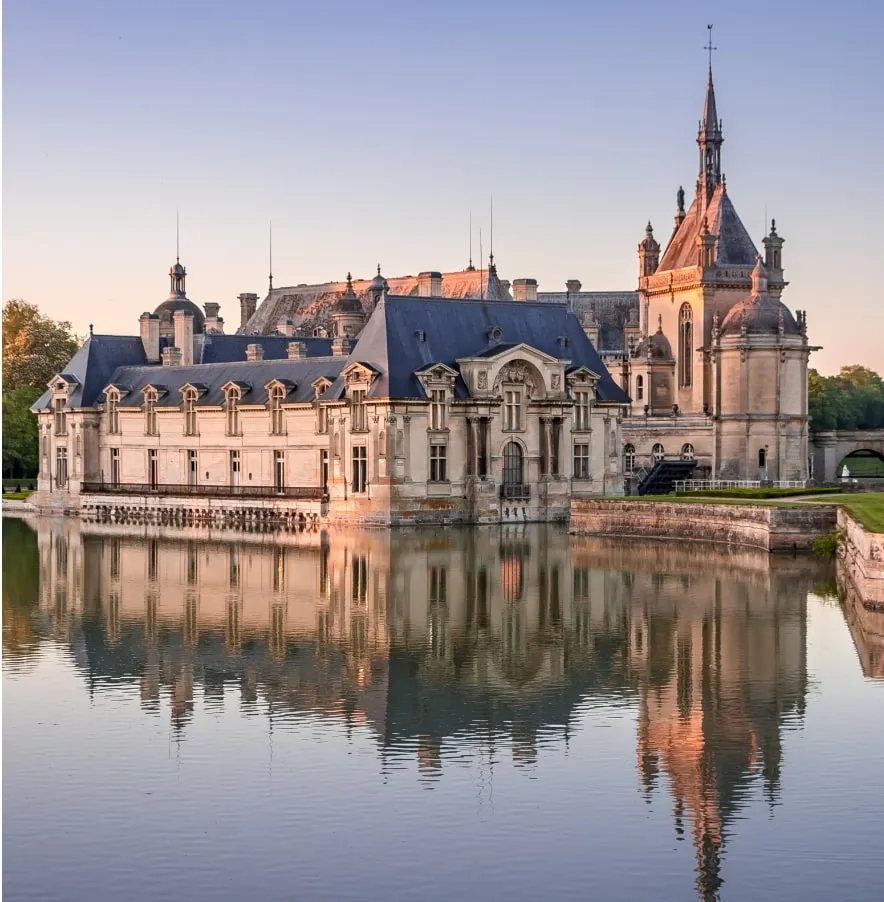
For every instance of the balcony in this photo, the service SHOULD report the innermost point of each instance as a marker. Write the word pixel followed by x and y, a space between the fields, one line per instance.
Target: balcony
pixel 515 491
pixel 299 493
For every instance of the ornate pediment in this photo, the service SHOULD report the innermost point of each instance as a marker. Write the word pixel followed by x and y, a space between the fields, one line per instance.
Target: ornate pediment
pixel 520 372
pixel 359 372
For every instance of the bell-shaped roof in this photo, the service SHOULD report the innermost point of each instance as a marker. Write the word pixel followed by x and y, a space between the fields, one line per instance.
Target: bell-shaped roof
pixel 348 302
pixel 759 313
pixel 166 311
pixel 656 346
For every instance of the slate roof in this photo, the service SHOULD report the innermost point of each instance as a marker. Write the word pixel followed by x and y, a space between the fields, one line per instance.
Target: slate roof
pixel 734 246
pixel 456 329
pixel 253 374
pixel 612 309
pixel 94 364
pixel 232 348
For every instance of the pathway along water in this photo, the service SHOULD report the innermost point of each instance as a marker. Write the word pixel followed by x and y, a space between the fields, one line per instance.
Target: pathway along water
pixel 490 713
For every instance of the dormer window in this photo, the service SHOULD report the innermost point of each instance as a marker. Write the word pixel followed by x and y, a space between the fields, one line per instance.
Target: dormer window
pixel 276 396
pixel 512 410
pixel 582 409
pixel 190 396
pixel 357 410
pixel 150 412
pixel 60 415
pixel 437 408
pixel 113 412
pixel 231 406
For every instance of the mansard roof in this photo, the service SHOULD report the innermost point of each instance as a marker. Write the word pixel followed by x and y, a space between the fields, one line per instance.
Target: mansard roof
pixel 734 246
pixel 407 334
pixel 218 348
pixel 256 375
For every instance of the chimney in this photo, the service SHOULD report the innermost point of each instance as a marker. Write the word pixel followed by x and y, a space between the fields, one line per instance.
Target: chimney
pixel 171 356
pixel 150 336
pixel 525 290
pixel 184 335
pixel 254 352
pixel 214 323
pixel 341 346
pixel 248 304
pixel 429 284
pixel 286 327
pixel 297 350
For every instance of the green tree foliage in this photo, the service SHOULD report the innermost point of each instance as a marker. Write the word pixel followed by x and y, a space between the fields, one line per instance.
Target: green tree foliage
pixel 35 348
pixel 854 399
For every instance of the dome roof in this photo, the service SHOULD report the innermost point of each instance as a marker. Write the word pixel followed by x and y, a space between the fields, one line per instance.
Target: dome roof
pixel 761 315
pixel 348 302
pixel 166 311
pixel 655 346
pixel 378 283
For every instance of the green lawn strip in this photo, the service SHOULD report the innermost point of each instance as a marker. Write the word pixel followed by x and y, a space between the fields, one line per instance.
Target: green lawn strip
pixel 16 496
pixel 865 507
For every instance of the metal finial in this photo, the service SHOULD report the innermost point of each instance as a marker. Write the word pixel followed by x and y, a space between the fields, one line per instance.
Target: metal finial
pixel 349 281
pixel 379 268
pixel 710 48
pixel 270 248
pixel 90 328
pixel 177 238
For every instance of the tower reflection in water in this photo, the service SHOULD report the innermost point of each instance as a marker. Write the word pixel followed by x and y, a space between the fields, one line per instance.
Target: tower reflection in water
pixel 435 642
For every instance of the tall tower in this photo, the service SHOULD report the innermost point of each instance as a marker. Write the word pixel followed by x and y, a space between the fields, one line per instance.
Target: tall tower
pixel 709 138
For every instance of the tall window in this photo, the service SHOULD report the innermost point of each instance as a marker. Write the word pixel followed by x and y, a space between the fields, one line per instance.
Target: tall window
pixel 323 469
pixel 657 452
pixel 190 412
pixel 61 420
pixel 438 463
pixel 235 468
pixel 232 405
pixel 639 388
pixel 191 468
pixel 437 409
pixel 153 470
pixel 482 450
pixel 762 457
pixel 628 459
pixel 115 466
pixel 322 420
pixel 277 393
pixel 512 410
pixel 360 469
pixel 150 412
pixel 581 410
pixel 357 403
pixel 581 460
pixel 279 470
pixel 512 464
pixel 685 345
pixel 113 413
pixel 687 452
pixel 61 467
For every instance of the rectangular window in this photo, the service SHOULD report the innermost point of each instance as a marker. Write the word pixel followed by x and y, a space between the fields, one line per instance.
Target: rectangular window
pixel 512 410
pixel 61 467
pixel 61 420
pixel 582 409
pixel 357 403
pixel 555 439
pixel 191 468
pixel 235 468
pixel 323 469
pixel 115 466
pixel 438 463
pixel 322 420
pixel 581 461
pixel 153 469
pixel 437 409
pixel 190 415
pixel 232 414
pixel 113 415
pixel 482 450
pixel 279 470
pixel 150 416
pixel 360 469
pixel 276 412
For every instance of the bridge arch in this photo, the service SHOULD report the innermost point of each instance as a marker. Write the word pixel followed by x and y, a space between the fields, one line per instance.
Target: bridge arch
pixel 864 463
pixel 829 450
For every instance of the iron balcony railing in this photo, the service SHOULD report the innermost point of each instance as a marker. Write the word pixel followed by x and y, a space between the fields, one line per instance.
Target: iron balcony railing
pixel 301 493
pixel 515 492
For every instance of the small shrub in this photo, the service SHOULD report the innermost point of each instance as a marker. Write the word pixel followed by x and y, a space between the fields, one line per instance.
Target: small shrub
pixel 827 546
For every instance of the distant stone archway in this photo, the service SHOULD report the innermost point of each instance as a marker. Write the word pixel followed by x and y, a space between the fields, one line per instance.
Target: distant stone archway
pixel 864 463
pixel 829 449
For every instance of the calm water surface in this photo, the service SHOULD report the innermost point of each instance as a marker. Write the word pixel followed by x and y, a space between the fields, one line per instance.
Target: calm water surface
pixel 462 715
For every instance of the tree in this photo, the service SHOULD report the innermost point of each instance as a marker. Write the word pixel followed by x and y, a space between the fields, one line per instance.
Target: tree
pixel 854 399
pixel 20 448
pixel 35 347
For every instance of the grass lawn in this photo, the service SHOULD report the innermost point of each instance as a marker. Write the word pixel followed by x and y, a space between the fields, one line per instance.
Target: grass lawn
pixel 866 507
pixel 16 496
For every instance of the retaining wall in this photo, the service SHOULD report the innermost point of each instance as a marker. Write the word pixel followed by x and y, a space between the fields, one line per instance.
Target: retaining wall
pixel 765 527
pixel 861 560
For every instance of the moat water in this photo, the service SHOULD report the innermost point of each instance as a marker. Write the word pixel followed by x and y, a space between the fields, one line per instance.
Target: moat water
pixel 488 714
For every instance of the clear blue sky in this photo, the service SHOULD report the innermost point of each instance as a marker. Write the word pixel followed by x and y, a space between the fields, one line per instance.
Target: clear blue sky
pixel 367 132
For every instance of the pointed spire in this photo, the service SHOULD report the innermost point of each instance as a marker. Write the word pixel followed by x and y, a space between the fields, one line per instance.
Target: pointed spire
pixel 271 255
pixel 710 137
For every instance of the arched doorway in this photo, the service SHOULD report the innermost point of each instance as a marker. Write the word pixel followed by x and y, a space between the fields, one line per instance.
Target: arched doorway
pixel 864 463
pixel 513 471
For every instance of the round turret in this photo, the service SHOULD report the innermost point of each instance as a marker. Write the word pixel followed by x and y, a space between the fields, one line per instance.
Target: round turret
pixel 166 312
pixel 349 302
pixel 759 313
pixel 656 346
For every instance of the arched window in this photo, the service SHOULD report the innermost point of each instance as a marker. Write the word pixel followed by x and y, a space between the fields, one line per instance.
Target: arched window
pixel 639 388
pixel 762 457
pixel 657 452
pixel 685 345
pixel 277 393
pixel 628 459
pixel 190 412
pixel 512 464
pixel 232 405
pixel 687 452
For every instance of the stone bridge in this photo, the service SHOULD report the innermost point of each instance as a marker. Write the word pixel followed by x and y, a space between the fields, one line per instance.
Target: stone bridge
pixel 828 450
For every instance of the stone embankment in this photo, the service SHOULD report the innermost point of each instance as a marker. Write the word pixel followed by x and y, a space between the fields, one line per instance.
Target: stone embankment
pixel 861 560
pixel 755 526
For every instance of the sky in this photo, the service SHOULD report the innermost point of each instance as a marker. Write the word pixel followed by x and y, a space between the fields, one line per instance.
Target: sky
pixel 371 133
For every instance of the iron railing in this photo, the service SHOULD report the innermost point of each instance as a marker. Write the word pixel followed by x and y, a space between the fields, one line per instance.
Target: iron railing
pixel 301 493
pixel 693 485
pixel 515 491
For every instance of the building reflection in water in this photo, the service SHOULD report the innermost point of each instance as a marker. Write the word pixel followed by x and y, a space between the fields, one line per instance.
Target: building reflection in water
pixel 475 637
